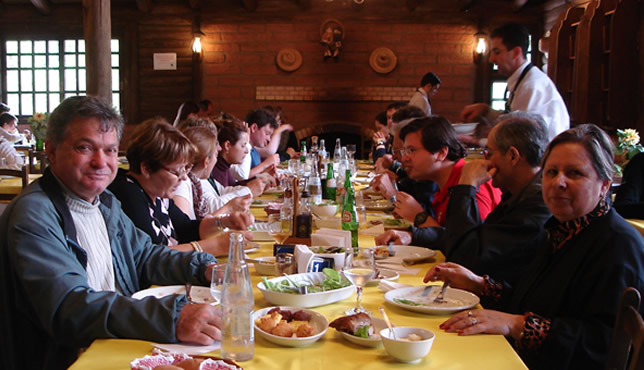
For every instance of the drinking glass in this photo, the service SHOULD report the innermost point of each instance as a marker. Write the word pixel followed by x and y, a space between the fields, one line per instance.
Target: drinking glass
pixel 359 270
pixel 280 229
pixel 217 280
pixel 351 150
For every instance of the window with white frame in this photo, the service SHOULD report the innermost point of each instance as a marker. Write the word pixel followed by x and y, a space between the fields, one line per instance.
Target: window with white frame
pixel 498 84
pixel 41 73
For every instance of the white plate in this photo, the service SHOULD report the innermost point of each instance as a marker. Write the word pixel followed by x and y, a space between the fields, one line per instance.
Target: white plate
pixel 363 173
pixel 407 251
pixel 373 341
pixel 261 203
pixel 251 247
pixel 199 294
pixel 464 128
pixel 383 205
pixel 319 323
pixel 274 190
pixel 457 300
pixel 385 274
pixel 308 300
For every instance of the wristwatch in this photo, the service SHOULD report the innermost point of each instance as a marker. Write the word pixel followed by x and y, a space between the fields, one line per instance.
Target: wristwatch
pixel 420 218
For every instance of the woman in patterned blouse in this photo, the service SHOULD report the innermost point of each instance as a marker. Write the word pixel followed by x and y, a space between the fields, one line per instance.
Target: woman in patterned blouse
pixel 561 315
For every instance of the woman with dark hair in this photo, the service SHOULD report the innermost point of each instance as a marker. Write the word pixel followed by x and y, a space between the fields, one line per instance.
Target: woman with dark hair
pixel 160 157
pixel 233 140
pixel 283 140
pixel 561 314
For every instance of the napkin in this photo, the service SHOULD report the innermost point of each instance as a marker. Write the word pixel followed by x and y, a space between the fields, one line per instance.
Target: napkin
pixel 331 237
pixel 187 348
pixel 302 255
pixel 386 286
pixel 393 263
pixel 374 230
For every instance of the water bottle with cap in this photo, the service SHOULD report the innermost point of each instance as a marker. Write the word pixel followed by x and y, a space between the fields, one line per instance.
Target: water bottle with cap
pixel 237 302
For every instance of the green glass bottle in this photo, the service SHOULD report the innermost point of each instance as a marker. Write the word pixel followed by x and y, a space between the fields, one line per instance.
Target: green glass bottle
pixel 303 151
pixel 349 214
pixel 329 184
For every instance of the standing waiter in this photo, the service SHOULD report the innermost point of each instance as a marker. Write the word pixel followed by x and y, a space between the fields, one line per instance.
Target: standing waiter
pixel 530 89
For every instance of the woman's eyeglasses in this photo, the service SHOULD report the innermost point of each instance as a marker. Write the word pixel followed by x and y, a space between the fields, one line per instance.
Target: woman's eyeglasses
pixel 179 173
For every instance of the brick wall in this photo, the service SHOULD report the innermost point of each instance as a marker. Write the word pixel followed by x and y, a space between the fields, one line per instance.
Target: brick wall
pixel 240 72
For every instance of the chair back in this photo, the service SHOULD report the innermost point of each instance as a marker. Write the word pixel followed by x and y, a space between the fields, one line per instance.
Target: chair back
pixel 628 334
pixel 23 174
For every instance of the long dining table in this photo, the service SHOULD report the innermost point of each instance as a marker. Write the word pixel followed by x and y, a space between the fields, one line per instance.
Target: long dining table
pixel 449 350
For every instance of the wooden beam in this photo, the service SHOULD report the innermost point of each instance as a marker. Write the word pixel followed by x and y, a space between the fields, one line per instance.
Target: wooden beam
pixel 97 23
pixel 42 6
pixel 144 5
pixel 250 5
pixel 195 4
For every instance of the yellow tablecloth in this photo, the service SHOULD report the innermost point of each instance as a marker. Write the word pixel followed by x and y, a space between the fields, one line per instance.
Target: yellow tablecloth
pixel 638 224
pixel 13 185
pixel 449 351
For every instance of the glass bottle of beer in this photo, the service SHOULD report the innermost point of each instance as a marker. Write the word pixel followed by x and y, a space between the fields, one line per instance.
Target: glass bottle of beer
pixel 349 214
pixel 329 184
pixel 303 151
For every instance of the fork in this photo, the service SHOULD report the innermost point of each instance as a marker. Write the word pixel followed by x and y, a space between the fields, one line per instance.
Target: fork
pixel 188 297
pixel 440 297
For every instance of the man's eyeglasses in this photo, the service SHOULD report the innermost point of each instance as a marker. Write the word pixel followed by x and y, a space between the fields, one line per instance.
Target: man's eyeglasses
pixel 407 151
pixel 179 173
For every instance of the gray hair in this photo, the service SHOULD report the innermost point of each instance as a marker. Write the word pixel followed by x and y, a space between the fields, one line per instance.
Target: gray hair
pixel 596 142
pixel 82 107
pixel 526 132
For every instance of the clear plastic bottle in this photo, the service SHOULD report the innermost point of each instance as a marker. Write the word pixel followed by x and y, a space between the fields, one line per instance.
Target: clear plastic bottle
pixel 315 183
pixel 337 157
pixel 237 302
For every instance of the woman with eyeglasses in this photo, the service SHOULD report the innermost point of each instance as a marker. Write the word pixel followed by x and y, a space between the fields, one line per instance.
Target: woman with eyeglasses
pixel 160 157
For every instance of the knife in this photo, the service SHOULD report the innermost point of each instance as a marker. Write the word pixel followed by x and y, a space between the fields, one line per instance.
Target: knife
pixel 426 291
pixel 415 260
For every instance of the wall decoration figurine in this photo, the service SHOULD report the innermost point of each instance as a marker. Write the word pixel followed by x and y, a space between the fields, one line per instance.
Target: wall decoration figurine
pixel 331 36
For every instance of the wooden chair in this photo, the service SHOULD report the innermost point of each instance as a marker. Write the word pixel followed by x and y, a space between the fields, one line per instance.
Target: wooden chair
pixel 36 157
pixel 628 334
pixel 23 174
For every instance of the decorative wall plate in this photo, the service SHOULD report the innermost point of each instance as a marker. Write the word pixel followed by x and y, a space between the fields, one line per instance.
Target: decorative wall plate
pixel 383 60
pixel 289 59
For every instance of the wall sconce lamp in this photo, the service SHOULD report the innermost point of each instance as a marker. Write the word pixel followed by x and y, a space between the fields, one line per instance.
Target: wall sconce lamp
pixel 197 35
pixel 480 47
pixel 196 44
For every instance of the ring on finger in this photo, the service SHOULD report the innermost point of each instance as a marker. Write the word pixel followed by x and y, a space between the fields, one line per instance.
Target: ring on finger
pixel 474 321
pixel 470 314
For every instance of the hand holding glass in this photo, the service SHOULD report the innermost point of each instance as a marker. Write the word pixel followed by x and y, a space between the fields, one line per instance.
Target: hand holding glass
pixel 359 270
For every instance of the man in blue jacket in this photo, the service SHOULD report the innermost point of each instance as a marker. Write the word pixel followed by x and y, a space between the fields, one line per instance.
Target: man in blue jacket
pixel 71 259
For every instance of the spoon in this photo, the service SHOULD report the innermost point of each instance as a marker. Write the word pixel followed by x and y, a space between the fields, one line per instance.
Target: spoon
pixel 391 327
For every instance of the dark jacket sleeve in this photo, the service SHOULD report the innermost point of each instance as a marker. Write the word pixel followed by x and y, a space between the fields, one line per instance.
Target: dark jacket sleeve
pixel 629 200
pixel 187 230
pixel 504 244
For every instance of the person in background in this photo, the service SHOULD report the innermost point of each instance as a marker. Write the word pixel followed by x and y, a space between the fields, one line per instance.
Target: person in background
pixel 530 89
pixel 383 140
pixel 160 157
pixel 4 108
pixel 206 109
pixel 432 152
pixel 196 196
pixel 429 85
pixel 9 129
pixel 629 200
pixel 233 141
pixel 284 131
pixel 391 162
pixel 71 259
pixel 261 124
pixel 561 314
pixel 9 156
pixel 187 109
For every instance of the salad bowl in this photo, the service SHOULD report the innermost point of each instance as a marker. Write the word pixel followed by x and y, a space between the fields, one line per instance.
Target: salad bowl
pixel 330 287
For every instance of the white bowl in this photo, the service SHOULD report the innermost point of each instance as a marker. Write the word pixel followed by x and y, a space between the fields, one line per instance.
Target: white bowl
pixel 464 128
pixel 319 323
pixel 407 351
pixel 266 266
pixel 324 210
pixel 306 300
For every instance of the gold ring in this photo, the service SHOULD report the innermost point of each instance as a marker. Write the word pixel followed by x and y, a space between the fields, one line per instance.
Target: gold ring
pixel 470 314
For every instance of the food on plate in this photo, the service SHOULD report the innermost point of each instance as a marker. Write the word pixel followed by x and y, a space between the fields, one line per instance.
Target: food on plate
pixel 383 252
pixel 396 223
pixel 285 323
pixel 332 280
pixel 272 208
pixel 359 325
pixel 166 361
pixel 376 222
